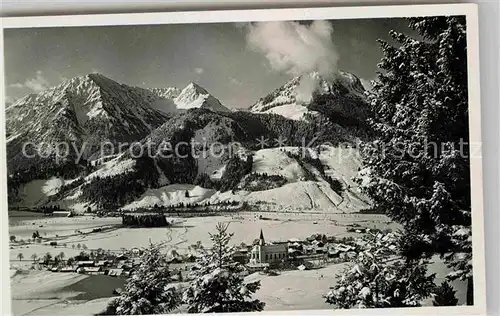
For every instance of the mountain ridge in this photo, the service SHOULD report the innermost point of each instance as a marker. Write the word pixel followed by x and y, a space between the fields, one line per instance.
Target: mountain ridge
pixel 295 98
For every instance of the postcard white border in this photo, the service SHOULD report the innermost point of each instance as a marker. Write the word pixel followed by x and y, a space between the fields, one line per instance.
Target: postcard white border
pixel 330 13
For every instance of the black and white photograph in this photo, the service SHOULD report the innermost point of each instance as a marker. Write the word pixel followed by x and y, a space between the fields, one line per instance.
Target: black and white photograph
pixel 248 161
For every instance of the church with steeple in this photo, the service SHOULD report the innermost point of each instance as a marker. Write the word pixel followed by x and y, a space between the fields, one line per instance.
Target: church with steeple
pixel 263 252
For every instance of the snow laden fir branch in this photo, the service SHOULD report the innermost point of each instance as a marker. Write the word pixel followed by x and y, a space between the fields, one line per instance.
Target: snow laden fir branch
pixel 219 286
pixel 380 277
pixel 420 97
pixel 149 290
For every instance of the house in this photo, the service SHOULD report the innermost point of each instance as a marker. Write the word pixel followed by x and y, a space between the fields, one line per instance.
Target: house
pixel 344 248
pixel 294 252
pixel 67 269
pixel 122 257
pixel 268 253
pixel 254 267
pixel 62 214
pixel 295 245
pixel 333 253
pixel 307 265
pixel 320 250
pixel 86 263
pixel 115 272
pixel 317 243
pixel 90 270
pixel 309 249
pixel 240 256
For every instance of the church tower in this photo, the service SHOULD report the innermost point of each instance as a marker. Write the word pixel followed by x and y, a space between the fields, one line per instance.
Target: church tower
pixel 262 241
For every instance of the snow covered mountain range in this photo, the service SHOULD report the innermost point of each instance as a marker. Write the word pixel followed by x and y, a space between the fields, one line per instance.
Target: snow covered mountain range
pixel 94 109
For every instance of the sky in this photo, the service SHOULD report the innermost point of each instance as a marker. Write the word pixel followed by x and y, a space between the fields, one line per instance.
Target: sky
pixel 236 62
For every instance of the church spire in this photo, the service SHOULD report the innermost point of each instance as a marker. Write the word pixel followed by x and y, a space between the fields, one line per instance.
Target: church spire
pixel 261 238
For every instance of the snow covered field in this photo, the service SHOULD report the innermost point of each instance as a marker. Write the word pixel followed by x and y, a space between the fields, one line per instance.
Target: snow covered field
pixel 184 232
pixel 47 293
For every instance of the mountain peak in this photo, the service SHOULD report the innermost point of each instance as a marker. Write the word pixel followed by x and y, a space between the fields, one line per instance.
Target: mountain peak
pixel 294 99
pixel 195 96
pixel 196 87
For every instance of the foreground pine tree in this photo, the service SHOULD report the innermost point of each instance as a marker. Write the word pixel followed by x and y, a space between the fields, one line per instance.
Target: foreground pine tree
pixel 380 277
pixel 418 168
pixel 148 290
pixel 218 286
pixel 445 295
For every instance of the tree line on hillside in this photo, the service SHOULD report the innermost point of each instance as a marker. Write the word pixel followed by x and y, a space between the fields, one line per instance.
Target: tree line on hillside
pixel 46 168
pixel 262 181
pixel 236 169
pixel 303 158
pixel 274 126
pixel 66 188
pixel 194 207
pixel 117 190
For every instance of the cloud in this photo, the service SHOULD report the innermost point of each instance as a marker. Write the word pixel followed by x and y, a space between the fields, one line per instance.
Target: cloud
pixel 17 85
pixel 305 89
pixel 37 84
pixel 199 70
pixel 295 48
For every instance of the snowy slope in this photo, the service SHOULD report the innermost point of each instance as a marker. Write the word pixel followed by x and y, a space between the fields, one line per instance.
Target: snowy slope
pixel 274 161
pixel 297 195
pixel 37 192
pixel 171 195
pixel 192 96
pixel 113 167
pixel 292 111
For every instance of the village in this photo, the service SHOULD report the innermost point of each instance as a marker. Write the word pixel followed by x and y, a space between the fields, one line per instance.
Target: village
pixel 270 257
